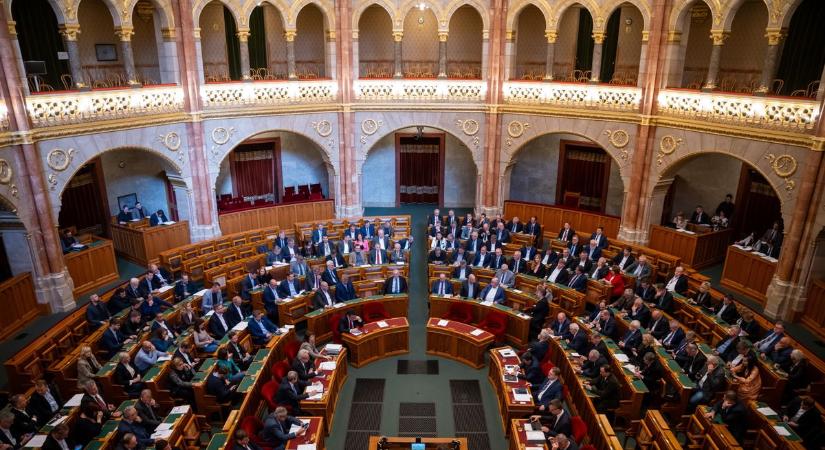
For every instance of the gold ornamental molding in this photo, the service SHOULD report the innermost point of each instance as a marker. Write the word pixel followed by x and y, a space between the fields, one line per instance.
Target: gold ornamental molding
pixel 784 166
pixel 470 126
pixel 59 159
pixel 323 128
pixel 619 139
pixel 667 146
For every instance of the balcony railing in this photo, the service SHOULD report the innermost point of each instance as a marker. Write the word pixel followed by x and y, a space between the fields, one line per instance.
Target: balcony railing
pixel 598 96
pixel 78 107
pixel 764 112
pixel 267 93
pixel 451 91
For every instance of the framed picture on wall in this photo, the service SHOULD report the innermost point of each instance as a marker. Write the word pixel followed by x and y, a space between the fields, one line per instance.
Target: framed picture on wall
pixel 126 200
pixel 106 52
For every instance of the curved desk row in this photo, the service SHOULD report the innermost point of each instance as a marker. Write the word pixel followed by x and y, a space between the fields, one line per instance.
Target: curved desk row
pixel 458 341
pixel 518 323
pixel 378 340
pixel 319 321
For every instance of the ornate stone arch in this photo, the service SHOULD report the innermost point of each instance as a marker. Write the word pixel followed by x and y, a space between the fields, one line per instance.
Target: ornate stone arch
pixel 453 6
pixel 359 11
pixel 409 5
pixel 281 5
pixel 562 6
pixel 58 9
pixel 781 12
pixel 240 20
pixel 518 6
pixel 326 8
pixel 611 6
pixel 729 13
pixel 166 14
pixel 682 8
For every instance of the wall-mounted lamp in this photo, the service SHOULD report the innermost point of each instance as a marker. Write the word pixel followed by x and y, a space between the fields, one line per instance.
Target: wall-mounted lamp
pixel 422 6
pixel 627 25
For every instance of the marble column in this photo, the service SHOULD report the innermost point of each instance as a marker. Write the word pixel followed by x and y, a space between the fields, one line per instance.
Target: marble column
pixel 642 72
pixel 243 38
pixel 398 70
pixel 442 54
pixel 69 33
pixel 551 55
pixel 124 36
pixel 596 67
pixel 719 38
pixel 775 38
pixel 289 35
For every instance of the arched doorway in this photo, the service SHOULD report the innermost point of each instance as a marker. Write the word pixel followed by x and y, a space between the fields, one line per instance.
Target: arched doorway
pixel 531 46
pixel 743 54
pixel 270 168
pixel 622 50
pixel 310 44
pixel 695 47
pixel 803 55
pixel 396 171
pixel 465 43
pixel 40 41
pixel 219 43
pixel 375 44
pixel 565 169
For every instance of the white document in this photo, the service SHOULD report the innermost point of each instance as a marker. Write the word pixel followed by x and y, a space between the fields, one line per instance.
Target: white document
pixel 165 357
pixel 782 431
pixel 575 355
pixel 182 409
pixel 521 397
pixel 339 305
pixel 528 448
pixel 295 429
pixel 621 357
pixel 630 367
pixel 507 352
pixel 767 411
pixel 289 327
pixel 241 326
pixel 333 348
pixel 316 396
pixel 315 388
pixel 477 332
pixel 74 401
pixel 327 365
pixel 382 324
pixel 366 265
pixel 37 441
pixel 307 447
pixel 486 303
pixel 164 426
pixel 162 434
pixel 287 300
pixel 164 288
pixel 169 222
pixel 517 291
pixel 443 323
pixel 535 436
pixel 400 263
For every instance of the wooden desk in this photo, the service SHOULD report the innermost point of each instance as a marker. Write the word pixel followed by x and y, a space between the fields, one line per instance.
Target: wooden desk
pixel 429 443
pixel 697 250
pixel 92 267
pixel 654 430
pixel 21 308
pixel 553 217
pixel 518 324
pixel 332 381
pixel 454 341
pixel 376 342
pixel 747 273
pixel 508 407
pixel 318 321
pixel 768 434
pixel 518 436
pixel 282 215
pixel 143 245
pixel 314 435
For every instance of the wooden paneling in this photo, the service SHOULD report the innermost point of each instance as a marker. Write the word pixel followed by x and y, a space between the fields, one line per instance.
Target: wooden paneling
pixel 142 245
pixel 697 250
pixel 19 304
pixel 747 273
pixel 552 218
pixel 92 267
pixel 283 216
pixel 814 317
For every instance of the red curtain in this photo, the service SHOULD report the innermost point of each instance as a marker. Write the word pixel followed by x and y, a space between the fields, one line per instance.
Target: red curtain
pixel 80 203
pixel 420 161
pixel 253 171
pixel 585 171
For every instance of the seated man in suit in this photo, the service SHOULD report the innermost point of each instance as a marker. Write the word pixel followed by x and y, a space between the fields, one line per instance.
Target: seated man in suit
pixel 442 286
pixel 336 259
pixel 606 387
pixel 330 275
pixel 236 312
pixel 44 403
pixel 532 227
pixel 566 233
pixel 260 328
pixel 549 390
pixel 243 442
pixel 67 240
pixel 606 324
pixel 556 421
pixel 438 256
pixel 318 234
pixel 515 225
pixel 323 298
pixel 632 338
pixel 345 246
pixel 501 233
pixel 600 238
pixel 577 339
pixel 694 363
pixel 290 286
pixel 804 417
pixel 434 222
pixel 594 252
pixel 349 322
pixel 303 365
pixel 218 384
pixel 139 211
pixel 344 290
pixel 377 256
pixel 212 297
pixel 158 218
pixel 313 279
pixel 470 288
pixel 498 259
pixel 592 363
pixel 679 282
pixel 291 251
pixel 276 429
pixel 131 423
pixel 184 288
pixel 560 325
pixel 462 271
pixel 218 323
pixel 96 313
pixel 733 414
pixel 640 269
pixel 112 339
pixel 397 255
pixel 726 310
pixel 125 215
pixel 579 280
pixel 493 292
pixel 147 409
pixel 559 274
pixel 674 336
pixel 727 347
pixel 699 216
pixel 658 325
pixel 624 259
pixel 291 392
pixel 517 264
pixel 639 311
pixel 395 284
pixel 482 258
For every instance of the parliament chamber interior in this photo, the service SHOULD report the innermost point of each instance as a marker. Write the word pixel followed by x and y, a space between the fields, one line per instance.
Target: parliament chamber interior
pixel 427 224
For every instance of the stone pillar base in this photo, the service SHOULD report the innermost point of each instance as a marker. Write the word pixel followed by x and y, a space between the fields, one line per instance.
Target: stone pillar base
pixel 349 210
pixel 55 289
pixel 632 236
pixel 203 232
pixel 491 211
pixel 784 298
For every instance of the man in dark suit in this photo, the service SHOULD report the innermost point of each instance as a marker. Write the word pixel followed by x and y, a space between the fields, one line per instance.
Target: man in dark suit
pixel 606 324
pixel 395 284
pixel 242 441
pixel 377 256
pixel 112 339
pixel 157 218
pixel 732 413
pixel 482 258
pixel 674 336
pixel 624 259
pixel 594 252
pixel 727 348
pixel 560 326
pixel 679 282
pixel 218 323
pixel 514 225
pixel 329 274
pixel 462 271
pixel 709 380
pixel 318 234
pixel 349 321
pixel 344 290
pixel 566 233
pixel 580 260
pixel 474 244
pixel 577 339
pixel 695 361
pixel 146 407
pixel 290 286
pixel 96 312
pixel 281 241
pixel 336 259
pixel 600 238
pixel 249 283
pixel 260 328
pixel 540 347
pixel 640 269
pixel 24 423
pixel 493 292
pixel 578 281
pixel 804 417
pixel 442 286
pixel 470 288
pixel 699 216
pixel 606 387
pixel 501 233
pixel 271 298
pixel 276 429
pixel 498 259
pixel 323 298
pixel 559 274
pixel 236 312
pixel 663 300
pixel 726 310
pixel 590 367
pixel 368 230
pixel 303 366
pixel 538 315
pixel 549 390
pixel 556 421
pixel 658 325
pixel 632 338
pixel 131 423
pixel 639 311
pixel 44 403
pixel 217 384
pixel 183 288
pixel 291 391
pixel 435 222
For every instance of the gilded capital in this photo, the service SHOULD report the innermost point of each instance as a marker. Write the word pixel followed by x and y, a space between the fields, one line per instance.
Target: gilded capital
pixel 168 34
pixel 397 36
pixel 775 37
pixel 196 32
pixel 645 36
pixel 289 35
pixel 442 36
pixel 70 31
pixel 674 36
pixel 719 37
pixel 598 37
pixel 243 35
pixel 551 37
pixel 510 35
pixel 124 33
pixel 12 28
pixel 331 35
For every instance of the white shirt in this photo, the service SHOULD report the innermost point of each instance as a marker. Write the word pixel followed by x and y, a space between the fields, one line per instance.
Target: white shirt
pixel 223 322
pixel 671 285
pixel 554 274
pixel 491 294
pixel 327 297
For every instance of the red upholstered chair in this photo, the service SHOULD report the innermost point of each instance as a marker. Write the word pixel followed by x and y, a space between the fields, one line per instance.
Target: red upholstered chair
pixel 460 312
pixel 268 392
pixel 333 325
pixel 579 428
pixel 291 349
pixel 253 426
pixel 546 366
pixel 374 312
pixel 495 323
pixel 546 358
pixel 279 371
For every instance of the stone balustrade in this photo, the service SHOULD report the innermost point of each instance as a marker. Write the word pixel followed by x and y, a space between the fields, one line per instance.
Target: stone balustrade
pixel 576 95
pixel 448 91
pixel 222 96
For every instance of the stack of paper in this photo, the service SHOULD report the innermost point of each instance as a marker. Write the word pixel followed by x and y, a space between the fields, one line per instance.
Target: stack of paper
pixel 487 303
pixel 182 409
pixel 443 323
pixel 507 353
pixel 535 436
pixel 164 288
pixel 339 305
pixel 333 349
pixel 316 396
pixel 630 367
pixel 241 326
pixel 521 397
pixel 327 365
pixel 200 292
pixel 74 401
pixel 294 429
pixel 306 447
pixel 36 441
pixel 782 431
pixel 477 332
pixel 767 411
pixel 165 357
pixel 162 434
pixel 621 357
pixel 315 388
pixel 382 324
